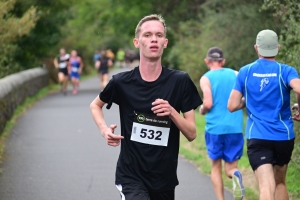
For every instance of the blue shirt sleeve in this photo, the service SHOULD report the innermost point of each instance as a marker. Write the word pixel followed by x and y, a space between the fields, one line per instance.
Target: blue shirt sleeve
pixel 240 81
pixel 291 74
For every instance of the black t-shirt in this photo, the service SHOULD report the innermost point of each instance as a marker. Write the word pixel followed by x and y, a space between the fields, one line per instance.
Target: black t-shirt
pixel 63 60
pixel 103 63
pixel 149 165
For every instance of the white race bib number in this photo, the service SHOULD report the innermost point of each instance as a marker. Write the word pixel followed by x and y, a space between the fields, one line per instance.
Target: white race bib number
pixel 62 65
pixel 74 69
pixel 150 129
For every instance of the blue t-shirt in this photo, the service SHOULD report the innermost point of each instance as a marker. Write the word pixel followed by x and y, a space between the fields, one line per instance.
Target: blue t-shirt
pixel 265 86
pixel 219 120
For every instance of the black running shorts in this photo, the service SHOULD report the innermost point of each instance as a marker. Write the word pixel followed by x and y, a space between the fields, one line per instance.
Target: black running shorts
pixel 262 152
pixel 138 192
pixel 102 72
pixel 64 71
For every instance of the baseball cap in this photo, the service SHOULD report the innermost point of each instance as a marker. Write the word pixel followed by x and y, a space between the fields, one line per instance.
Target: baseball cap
pixel 267 43
pixel 215 53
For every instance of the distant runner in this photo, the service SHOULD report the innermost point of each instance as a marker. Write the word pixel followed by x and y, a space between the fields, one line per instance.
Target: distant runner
pixel 102 65
pixel 151 99
pixel 61 62
pixel 120 58
pixel 223 130
pixel 76 66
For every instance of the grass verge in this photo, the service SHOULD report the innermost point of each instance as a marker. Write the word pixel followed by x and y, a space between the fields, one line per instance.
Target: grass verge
pixel 196 152
pixel 293 175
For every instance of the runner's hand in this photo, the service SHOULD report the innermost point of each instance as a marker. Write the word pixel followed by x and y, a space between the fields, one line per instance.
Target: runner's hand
pixel 295 107
pixel 161 107
pixel 201 110
pixel 110 137
pixel 296 116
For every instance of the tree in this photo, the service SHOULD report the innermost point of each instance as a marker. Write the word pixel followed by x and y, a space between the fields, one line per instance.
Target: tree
pixel 231 25
pixel 11 29
pixel 46 34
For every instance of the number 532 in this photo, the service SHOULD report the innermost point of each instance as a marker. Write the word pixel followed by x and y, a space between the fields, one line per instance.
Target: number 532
pixel 150 134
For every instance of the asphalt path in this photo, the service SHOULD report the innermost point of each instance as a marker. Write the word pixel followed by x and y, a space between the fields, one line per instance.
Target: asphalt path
pixel 55 152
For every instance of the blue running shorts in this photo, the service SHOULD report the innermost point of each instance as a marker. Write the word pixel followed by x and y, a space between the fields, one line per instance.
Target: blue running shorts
pixel 75 75
pixel 228 147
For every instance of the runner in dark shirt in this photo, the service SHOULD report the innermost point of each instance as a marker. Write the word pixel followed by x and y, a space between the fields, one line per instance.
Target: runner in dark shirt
pixel 102 65
pixel 150 99
pixel 61 62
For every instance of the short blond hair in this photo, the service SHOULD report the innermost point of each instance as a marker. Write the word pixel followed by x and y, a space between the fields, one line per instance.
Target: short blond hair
pixel 147 18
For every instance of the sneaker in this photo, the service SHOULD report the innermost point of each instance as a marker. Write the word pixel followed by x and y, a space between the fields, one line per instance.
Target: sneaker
pixel 74 92
pixel 238 187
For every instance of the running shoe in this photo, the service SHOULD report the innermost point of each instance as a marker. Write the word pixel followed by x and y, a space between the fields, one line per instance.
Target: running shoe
pixel 74 92
pixel 238 187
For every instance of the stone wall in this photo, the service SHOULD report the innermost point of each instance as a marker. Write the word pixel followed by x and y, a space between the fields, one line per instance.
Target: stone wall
pixel 15 88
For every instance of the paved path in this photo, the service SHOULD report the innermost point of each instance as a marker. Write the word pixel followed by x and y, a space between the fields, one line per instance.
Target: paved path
pixel 55 152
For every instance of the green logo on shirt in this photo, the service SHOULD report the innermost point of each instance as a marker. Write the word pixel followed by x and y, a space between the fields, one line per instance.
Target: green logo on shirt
pixel 141 118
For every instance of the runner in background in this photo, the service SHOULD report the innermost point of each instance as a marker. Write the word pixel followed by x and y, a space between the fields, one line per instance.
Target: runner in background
pixel 61 62
pixel 97 55
pixel 110 54
pixel 264 88
pixel 102 65
pixel 75 69
pixel 120 58
pixel 223 130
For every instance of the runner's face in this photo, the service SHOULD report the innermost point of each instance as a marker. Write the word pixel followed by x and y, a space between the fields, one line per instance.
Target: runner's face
pixel 62 52
pixel 73 53
pixel 151 40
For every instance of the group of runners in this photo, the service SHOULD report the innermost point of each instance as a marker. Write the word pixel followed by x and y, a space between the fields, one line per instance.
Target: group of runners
pixel 69 67
pixel 156 104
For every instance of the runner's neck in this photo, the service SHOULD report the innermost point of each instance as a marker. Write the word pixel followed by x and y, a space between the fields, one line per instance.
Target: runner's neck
pixel 215 67
pixel 150 70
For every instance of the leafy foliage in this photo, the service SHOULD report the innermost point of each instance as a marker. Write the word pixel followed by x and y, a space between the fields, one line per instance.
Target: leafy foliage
pixel 11 29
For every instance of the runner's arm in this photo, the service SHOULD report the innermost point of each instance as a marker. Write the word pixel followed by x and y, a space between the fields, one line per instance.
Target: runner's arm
pixel 185 124
pixel 81 65
pixel 97 64
pixel 236 101
pixel 207 95
pixel 55 62
pixel 295 84
pixel 110 63
pixel 107 132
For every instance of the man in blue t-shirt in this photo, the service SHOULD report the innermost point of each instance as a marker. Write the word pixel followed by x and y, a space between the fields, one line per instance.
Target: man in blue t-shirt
pixel 264 87
pixel 223 132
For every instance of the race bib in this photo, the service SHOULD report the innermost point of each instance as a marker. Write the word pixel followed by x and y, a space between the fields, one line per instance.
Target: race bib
pixel 74 69
pixel 62 65
pixel 151 129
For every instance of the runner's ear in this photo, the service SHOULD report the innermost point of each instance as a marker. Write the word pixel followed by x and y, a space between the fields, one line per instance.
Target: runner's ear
pixel 166 43
pixel 136 43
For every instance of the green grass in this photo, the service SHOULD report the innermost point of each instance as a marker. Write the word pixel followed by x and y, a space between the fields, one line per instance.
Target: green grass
pixel 293 175
pixel 196 152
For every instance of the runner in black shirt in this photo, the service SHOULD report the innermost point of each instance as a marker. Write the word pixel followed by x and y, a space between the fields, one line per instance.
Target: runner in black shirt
pixel 61 62
pixel 102 65
pixel 150 98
